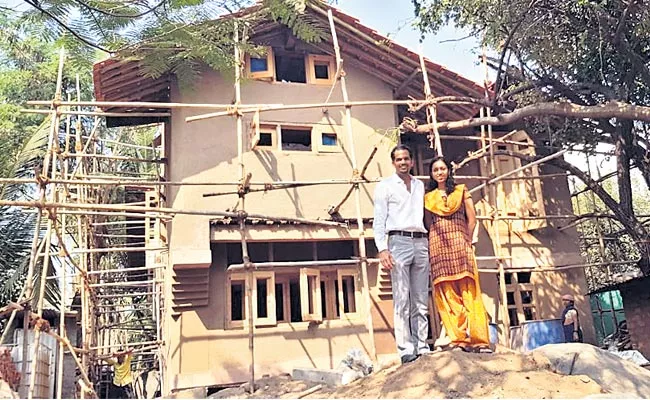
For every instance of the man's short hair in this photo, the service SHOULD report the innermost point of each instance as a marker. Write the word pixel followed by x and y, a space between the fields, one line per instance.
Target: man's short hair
pixel 398 148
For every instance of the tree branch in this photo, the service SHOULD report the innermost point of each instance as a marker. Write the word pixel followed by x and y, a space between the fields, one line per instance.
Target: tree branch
pixel 34 4
pixel 612 109
pixel 104 12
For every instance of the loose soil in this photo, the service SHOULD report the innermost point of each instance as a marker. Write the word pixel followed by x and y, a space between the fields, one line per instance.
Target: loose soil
pixel 448 374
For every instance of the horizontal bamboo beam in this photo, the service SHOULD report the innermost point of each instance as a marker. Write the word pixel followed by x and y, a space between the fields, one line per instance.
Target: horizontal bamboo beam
pixel 133 294
pixel 517 170
pixel 116 249
pixel 556 268
pixel 295 264
pixel 97 113
pixel 135 104
pixel 245 109
pixel 126 284
pixel 127 345
pixel 144 210
pixel 109 157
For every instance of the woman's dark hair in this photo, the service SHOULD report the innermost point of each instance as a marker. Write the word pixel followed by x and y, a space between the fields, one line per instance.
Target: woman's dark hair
pixel 450 183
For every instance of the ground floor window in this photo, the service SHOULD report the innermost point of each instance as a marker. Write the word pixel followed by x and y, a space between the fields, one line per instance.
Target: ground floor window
pixel 294 295
pixel 288 294
pixel 520 294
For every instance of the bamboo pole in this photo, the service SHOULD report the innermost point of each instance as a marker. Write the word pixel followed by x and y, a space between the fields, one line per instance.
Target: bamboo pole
pixel 34 257
pixel 494 199
pixel 109 207
pixel 516 170
pixel 246 109
pixel 110 157
pixel 242 208
pixel 99 113
pixel 357 196
pixel 432 112
pixel 135 104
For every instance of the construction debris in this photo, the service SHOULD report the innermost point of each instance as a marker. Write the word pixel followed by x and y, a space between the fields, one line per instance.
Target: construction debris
pixel 8 373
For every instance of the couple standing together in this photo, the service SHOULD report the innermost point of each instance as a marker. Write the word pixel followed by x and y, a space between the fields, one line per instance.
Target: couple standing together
pixel 423 238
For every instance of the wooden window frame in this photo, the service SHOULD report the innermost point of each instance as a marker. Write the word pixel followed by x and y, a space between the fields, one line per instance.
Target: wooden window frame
pixel 271 318
pixel 516 191
pixel 316 59
pixel 269 74
pixel 516 288
pixel 257 129
pixel 286 302
pixel 354 273
pixel 279 127
pixel 236 276
pixel 307 274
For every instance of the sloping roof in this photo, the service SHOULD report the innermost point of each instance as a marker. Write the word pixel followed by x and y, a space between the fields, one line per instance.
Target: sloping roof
pixel 619 285
pixel 361 46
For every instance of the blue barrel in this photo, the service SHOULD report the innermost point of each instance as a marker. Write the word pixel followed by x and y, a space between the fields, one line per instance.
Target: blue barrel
pixel 541 332
pixel 494 334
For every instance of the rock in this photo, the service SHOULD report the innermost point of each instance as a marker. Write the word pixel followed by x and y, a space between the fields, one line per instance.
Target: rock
pixel 611 372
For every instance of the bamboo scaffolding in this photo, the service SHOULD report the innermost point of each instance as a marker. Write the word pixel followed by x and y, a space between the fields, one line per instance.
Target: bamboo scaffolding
pixel 516 170
pixel 98 113
pixel 357 189
pixel 110 207
pixel 432 112
pixel 49 157
pixel 136 104
pixel 83 188
pixel 109 157
pixel 246 109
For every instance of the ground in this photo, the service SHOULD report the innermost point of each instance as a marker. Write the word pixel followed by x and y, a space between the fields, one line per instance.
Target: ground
pixel 448 374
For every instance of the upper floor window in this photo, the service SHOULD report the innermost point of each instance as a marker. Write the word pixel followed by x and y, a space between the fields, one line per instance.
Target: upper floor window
pixel 288 66
pixel 320 138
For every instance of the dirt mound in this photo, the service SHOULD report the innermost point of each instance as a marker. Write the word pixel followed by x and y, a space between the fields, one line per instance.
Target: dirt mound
pixel 612 373
pixel 505 374
pixel 454 374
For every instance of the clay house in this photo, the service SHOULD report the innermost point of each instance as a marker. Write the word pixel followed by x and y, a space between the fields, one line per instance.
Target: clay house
pixel 312 308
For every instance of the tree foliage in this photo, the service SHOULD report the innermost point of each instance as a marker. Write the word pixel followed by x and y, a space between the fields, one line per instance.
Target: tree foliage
pixel 587 53
pixel 177 36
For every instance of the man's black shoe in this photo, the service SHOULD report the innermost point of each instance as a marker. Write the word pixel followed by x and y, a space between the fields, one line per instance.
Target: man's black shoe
pixel 408 358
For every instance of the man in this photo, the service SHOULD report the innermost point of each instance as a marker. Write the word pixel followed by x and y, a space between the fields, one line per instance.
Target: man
pixel 122 376
pixel 403 250
pixel 570 320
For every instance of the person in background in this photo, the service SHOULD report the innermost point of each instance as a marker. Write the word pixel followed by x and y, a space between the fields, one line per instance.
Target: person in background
pixel 122 375
pixel 570 320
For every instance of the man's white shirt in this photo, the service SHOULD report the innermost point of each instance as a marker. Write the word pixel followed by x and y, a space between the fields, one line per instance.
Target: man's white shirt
pixel 397 209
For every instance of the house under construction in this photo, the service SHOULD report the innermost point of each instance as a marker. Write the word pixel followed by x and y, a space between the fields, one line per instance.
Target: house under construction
pixel 247 240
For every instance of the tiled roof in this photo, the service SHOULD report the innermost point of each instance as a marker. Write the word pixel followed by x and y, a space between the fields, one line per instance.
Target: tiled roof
pixel 362 46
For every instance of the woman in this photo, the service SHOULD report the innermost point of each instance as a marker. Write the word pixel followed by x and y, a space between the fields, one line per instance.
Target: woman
pixel 450 218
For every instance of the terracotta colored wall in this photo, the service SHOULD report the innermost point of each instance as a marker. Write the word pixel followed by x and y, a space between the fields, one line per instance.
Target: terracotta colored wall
pixel 636 302
pixel 200 350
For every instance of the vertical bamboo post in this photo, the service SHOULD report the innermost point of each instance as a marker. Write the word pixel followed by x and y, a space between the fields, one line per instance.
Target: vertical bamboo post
pixel 357 196
pixel 64 283
pixel 242 210
pixel 82 241
pixel 34 255
pixel 492 193
pixel 432 111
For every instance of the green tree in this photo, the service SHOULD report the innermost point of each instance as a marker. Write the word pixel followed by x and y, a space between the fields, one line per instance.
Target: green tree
pixel 175 36
pixel 559 58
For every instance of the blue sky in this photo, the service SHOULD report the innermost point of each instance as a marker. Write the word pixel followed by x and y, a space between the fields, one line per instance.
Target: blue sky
pixel 394 17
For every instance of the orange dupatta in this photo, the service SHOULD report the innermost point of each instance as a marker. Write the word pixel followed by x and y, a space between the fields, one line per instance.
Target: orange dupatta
pixel 435 201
